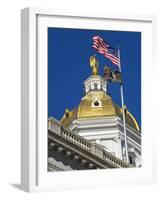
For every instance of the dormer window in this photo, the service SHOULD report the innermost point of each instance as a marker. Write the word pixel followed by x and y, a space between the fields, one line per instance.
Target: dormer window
pixel 96 103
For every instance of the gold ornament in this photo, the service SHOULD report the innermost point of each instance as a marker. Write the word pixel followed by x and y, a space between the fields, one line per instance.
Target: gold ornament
pixel 94 64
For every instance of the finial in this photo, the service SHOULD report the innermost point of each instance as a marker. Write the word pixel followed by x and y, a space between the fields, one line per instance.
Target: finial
pixel 94 64
pixel 67 112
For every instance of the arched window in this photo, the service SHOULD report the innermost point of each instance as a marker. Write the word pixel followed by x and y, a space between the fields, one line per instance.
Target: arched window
pixel 95 86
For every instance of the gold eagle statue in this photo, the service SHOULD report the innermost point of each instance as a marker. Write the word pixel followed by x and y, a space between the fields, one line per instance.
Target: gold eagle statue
pixel 94 64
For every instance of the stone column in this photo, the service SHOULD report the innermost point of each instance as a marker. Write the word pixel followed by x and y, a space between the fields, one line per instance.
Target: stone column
pixel 118 147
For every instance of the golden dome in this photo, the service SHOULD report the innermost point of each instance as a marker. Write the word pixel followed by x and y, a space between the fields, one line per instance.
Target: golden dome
pixel 97 104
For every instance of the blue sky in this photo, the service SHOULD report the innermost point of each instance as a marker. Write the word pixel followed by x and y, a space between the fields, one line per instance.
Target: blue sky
pixel 68 67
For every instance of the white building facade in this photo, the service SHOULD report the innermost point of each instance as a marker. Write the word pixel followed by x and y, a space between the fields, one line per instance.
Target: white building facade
pixel 99 120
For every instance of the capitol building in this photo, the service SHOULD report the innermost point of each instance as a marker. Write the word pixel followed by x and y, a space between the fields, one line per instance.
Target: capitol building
pixel 91 135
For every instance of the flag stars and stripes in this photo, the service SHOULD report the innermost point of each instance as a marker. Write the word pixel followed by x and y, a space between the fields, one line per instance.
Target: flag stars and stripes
pixel 105 49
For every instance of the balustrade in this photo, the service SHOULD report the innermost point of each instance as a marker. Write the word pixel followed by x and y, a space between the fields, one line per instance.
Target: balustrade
pixel 95 149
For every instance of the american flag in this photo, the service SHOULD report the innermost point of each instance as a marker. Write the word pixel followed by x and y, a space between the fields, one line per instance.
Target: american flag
pixel 105 49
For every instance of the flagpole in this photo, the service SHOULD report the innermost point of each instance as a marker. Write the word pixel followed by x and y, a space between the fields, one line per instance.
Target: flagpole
pixel 123 112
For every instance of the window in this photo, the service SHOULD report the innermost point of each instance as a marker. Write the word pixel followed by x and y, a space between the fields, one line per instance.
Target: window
pixel 96 103
pixel 131 160
pixel 95 86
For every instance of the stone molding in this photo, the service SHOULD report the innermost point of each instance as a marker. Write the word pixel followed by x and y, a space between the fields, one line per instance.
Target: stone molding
pixel 75 142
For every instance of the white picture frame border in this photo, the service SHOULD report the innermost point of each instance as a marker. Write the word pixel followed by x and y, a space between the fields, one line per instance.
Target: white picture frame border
pixel 29 135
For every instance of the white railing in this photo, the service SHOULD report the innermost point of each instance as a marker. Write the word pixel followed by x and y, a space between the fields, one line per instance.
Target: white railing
pixel 97 150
